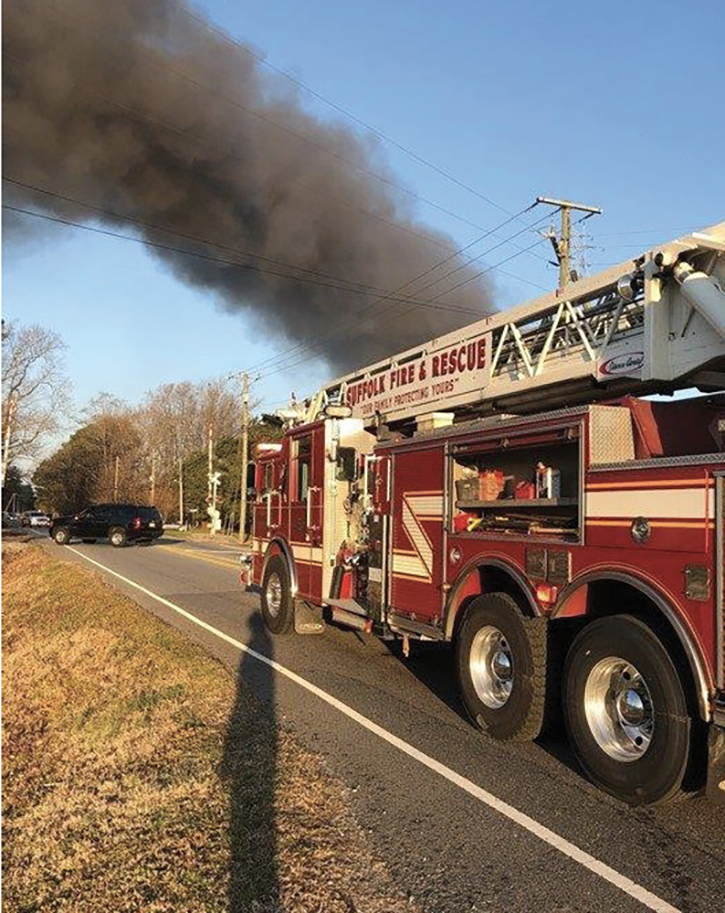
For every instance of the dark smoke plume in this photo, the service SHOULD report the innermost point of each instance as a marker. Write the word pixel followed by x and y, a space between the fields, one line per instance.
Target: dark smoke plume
pixel 137 108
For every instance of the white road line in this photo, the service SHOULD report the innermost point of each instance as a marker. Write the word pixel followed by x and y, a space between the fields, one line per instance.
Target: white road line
pixel 594 865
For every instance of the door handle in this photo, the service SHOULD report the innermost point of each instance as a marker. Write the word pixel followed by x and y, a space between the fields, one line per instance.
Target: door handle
pixel 310 490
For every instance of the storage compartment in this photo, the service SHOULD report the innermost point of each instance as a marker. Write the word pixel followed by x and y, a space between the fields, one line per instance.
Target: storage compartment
pixel 531 490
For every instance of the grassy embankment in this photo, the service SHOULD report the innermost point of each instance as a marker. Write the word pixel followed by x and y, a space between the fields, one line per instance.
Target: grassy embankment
pixel 139 776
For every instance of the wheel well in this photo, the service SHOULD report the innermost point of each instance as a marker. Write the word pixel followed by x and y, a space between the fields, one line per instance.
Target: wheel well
pixel 281 548
pixel 617 597
pixel 487 578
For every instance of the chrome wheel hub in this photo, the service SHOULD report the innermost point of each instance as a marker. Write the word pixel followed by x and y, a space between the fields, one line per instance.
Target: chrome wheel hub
pixel 491 667
pixel 274 595
pixel 619 710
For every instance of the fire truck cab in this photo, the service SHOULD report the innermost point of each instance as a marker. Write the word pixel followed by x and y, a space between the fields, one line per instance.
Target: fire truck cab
pixel 573 555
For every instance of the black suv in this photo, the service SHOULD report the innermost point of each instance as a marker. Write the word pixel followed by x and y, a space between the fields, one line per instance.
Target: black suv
pixel 121 523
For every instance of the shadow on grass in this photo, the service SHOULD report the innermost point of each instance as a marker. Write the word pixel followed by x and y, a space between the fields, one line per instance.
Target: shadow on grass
pixel 249 768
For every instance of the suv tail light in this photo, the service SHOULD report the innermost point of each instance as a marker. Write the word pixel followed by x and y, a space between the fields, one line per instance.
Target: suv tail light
pixel 137 523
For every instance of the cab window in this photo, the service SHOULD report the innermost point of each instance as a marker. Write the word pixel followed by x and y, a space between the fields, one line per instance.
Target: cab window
pixel 303 465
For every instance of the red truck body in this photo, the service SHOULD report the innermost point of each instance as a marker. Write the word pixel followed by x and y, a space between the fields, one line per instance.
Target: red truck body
pixel 636 529
pixel 565 537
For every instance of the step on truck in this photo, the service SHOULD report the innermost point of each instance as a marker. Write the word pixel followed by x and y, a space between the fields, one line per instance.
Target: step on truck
pixel 514 489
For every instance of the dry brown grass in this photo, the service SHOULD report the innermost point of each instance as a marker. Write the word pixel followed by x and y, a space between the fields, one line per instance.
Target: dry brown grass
pixel 138 777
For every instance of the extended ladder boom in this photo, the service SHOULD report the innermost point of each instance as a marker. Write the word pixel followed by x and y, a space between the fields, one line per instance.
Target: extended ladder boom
pixel 654 324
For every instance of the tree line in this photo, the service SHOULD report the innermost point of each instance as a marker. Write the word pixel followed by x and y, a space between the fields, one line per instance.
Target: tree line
pixel 156 453
pixel 146 454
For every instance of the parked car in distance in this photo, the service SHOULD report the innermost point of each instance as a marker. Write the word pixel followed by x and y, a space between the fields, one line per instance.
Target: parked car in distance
pixel 34 518
pixel 119 523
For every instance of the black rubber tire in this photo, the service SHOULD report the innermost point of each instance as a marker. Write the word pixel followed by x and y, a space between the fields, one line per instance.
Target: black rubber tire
pixel 657 775
pixel 279 620
pixel 118 536
pixel 522 715
pixel 61 535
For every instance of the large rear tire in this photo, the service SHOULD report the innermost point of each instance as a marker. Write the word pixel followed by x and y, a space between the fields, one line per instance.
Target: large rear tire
pixel 278 608
pixel 61 535
pixel 626 711
pixel 501 663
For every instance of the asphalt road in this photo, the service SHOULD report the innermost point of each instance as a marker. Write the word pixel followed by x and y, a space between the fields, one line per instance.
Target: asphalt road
pixel 449 847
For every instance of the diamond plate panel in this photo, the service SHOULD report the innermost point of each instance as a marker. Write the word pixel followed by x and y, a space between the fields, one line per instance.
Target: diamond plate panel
pixel 611 438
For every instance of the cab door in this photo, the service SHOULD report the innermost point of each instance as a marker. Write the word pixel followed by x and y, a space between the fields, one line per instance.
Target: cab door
pixel 417 533
pixel 306 496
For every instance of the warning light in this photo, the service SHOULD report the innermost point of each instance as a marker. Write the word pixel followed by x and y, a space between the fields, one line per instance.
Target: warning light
pixel 546 594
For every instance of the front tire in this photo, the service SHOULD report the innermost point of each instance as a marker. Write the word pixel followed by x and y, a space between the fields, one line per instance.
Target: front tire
pixel 278 608
pixel 118 537
pixel 501 664
pixel 61 535
pixel 626 711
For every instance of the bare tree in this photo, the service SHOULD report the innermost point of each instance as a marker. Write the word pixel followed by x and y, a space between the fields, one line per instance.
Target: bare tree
pixel 174 422
pixel 34 390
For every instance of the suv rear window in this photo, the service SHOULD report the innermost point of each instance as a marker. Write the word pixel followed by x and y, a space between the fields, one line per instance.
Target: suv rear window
pixel 149 513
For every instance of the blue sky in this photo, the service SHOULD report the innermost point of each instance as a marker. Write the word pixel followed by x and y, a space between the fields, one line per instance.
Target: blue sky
pixel 616 104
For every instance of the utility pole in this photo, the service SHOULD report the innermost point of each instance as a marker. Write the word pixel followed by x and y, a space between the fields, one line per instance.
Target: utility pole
pixel 210 473
pixel 214 478
pixel 181 492
pixel 210 460
pixel 153 478
pixel 115 480
pixel 245 459
pixel 7 437
pixel 562 244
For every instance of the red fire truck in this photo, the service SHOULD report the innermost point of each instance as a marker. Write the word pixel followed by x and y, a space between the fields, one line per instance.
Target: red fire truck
pixel 506 489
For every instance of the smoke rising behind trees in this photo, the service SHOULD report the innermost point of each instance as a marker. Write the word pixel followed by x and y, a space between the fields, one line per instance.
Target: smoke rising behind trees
pixel 139 110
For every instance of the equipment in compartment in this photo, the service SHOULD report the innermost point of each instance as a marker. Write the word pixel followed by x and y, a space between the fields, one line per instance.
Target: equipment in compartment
pixel 542 480
pixel 548 481
pixel 491 483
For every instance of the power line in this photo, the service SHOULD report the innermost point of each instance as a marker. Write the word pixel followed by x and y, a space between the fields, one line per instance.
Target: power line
pixel 649 231
pixel 315 344
pixel 340 324
pixel 382 295
pixel 292 132
pixel 230 152
pixel 266 118
pixel 166 247
pixel 468 262
pixel 229 39
pixel 188 237
pixel 337 107
pixel 288 366
pixel 285 366
pixel 223 262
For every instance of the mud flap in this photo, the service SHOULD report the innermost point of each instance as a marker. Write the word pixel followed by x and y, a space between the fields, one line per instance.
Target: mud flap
pixel 716 765
pixel 307 620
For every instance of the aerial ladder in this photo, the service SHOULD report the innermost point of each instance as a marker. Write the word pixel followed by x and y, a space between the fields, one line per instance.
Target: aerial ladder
pixel 653 324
